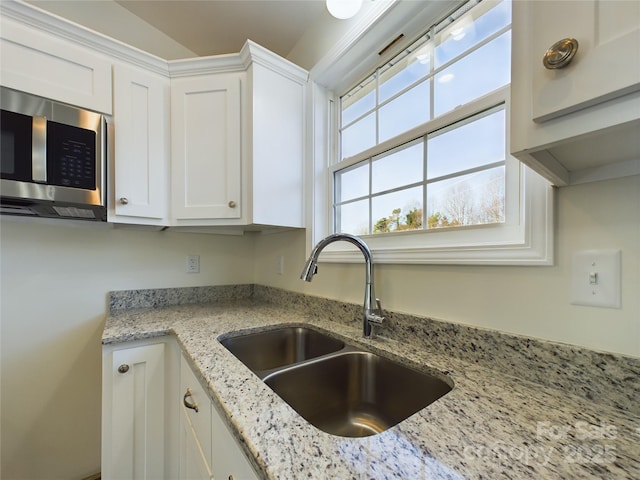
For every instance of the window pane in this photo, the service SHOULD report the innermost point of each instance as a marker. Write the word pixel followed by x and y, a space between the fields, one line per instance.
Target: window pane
pixel 473 199
pixel 466 32
pixel 353 218
pixel 481 72
pixel 359 136
pixel 398 168
pixel 405 112
pixel 359 105
pixel 479 142
pixel 352 183
pixel 397 211
pixel 403 73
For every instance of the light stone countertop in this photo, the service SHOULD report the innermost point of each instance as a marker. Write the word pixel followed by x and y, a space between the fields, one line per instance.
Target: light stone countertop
pixel 491 425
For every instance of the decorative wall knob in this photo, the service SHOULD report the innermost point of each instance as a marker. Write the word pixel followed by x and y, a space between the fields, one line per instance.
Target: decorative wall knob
pixel 124 201
pixel 560 54
pixel 124 368
pixel 232 204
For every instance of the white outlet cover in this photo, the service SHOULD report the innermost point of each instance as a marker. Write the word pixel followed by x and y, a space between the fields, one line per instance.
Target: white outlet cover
pixel 596 278
pixel 193 263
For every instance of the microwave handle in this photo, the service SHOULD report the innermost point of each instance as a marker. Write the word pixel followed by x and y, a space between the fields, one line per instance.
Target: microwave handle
pixel 39 149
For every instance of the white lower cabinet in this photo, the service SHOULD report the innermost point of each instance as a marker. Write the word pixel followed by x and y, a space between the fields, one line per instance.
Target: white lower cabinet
pixel 195 426
pixel 193 464
pixel 138 426
pixel 158 421
pixel 207 447
pixel 228 460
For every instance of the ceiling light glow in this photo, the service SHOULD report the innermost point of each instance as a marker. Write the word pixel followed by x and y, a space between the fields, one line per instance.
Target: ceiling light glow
pixel 343 9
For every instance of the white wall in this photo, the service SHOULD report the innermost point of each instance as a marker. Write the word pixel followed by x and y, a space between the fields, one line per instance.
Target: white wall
pixel 532 301
pixel 55 276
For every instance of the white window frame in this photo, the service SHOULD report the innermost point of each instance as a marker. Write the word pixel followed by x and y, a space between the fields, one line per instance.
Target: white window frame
pixel 525 238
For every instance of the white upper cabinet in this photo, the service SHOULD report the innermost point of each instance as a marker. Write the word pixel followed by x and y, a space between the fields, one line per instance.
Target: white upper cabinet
pixel 139 160
pixel 238 128
pixel 205 159
pixel 38 62
pixel 276 145
pixel 580 122
pixel 205 142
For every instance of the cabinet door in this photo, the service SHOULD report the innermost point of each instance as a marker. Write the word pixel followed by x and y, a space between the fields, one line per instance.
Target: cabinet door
pixel 136 433
pixel 606 65
pixel 228 460
pixel 38 62
pixel 193 465
pixel 196 408
pixel 205 152
pixel 141 147
pixel 578 123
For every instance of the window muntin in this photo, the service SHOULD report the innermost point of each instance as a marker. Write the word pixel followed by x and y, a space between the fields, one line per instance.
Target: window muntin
pixel 465 159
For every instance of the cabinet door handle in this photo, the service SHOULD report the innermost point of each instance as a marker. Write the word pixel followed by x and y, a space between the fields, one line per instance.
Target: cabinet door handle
pixel 232 204
pixel 560 54
pixel 124 368
pixel 192 406
pixel 124 201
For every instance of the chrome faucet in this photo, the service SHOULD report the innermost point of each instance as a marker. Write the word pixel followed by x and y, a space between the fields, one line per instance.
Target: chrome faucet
pixel 371 316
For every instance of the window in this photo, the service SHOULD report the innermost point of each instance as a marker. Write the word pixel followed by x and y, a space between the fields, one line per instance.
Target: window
pixel 453 175
pixel 422 167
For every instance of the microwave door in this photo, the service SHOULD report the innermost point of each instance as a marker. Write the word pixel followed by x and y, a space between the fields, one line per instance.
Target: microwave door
pixel 15 146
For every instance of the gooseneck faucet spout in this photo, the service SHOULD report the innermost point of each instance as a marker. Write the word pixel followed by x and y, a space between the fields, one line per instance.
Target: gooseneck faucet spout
pixel 371 315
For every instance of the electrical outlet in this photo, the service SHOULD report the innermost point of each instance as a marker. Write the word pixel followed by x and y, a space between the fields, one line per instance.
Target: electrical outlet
pixel 193 263
pixel 280 265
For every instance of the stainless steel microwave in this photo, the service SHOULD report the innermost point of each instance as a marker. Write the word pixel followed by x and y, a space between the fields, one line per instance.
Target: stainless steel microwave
pixel 52 159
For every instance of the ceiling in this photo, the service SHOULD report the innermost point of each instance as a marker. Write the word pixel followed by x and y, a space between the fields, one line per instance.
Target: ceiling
pixel 205 27
pixel 210 27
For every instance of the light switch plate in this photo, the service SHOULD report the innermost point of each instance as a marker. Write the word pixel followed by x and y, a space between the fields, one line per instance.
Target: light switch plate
pixel 595 278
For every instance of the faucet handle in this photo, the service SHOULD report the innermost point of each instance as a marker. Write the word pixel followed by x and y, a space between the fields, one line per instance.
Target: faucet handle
pixel 379 305
pixel 376 317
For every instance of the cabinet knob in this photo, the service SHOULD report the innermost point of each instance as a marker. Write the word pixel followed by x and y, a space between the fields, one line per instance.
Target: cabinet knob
pixel 192 406
pixel 124 200
pixel 560 54
pixel 124 368
pixel 232 204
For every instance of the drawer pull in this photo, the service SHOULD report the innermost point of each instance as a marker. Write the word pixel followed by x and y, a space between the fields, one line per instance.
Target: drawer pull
pixel 192 406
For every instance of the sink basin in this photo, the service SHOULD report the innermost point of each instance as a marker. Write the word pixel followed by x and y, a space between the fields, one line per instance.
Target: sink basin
pixel 263 351
pixel 339 388
pixel 356 393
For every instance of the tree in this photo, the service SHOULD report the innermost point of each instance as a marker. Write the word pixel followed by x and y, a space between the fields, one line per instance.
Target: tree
pixel 413 219
pixel 382 226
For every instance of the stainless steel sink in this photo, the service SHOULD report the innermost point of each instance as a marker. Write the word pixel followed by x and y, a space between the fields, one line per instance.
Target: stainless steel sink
pixel 264 351
pixel 356 393
pixel 339 388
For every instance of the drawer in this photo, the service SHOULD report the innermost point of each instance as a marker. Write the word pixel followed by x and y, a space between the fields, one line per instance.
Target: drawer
pixel 200 420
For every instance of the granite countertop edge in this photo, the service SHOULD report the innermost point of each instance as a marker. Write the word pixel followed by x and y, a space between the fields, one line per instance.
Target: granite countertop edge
pixel 491 425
